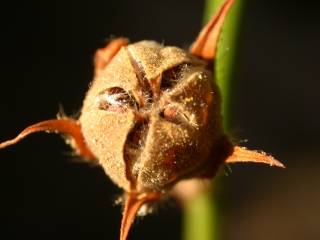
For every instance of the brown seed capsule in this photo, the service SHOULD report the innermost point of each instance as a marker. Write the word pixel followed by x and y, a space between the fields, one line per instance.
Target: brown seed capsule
pixel 160 107
pixel 152 118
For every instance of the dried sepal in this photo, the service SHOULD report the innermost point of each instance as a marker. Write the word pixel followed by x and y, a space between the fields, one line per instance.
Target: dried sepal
pixel 133 203
pixel 66 126
pixel 206 43
pixel 243 155
pixel 104 55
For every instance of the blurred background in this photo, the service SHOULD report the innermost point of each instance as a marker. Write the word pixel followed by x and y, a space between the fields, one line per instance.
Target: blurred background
pixel 46 59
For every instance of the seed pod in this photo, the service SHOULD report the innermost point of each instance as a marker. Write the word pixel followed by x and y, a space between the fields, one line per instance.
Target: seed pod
pixel 152 118
pixel 149 114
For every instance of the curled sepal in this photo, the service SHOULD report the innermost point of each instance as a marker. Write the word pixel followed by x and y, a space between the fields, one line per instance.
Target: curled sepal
pixel 206 43
pixel 242 154
pixel 64 126
pixel 133 203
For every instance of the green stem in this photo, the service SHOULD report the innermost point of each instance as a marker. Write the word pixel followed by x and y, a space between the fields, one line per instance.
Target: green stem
pixel 201 219
pixel 226 58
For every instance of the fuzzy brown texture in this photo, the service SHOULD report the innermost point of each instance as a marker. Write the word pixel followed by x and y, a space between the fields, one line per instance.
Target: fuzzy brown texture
pixel 168 133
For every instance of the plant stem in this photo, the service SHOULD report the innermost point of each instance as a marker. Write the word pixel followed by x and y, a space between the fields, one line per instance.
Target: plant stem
pixel 201 219
pixel 226 58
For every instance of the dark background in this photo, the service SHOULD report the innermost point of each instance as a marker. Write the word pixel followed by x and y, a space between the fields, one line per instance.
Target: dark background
pixel 46 59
